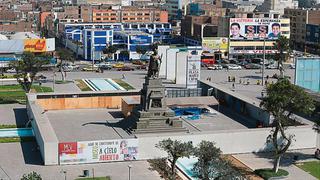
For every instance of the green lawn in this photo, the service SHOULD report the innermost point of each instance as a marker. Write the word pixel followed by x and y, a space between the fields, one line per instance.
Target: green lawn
pixel 6 126
pixel 268 173
pixel 83 86
pixel 96 178
pixel 123 84
pixel 15 94
pixel 312 167
pixel 16 139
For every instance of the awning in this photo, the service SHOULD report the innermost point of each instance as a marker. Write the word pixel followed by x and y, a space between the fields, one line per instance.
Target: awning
pixel 192 101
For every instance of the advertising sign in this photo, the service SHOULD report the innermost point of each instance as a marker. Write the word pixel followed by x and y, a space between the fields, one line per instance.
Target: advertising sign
pixel 140 39
pixel 35 45
pixel 215 43
pixel 193 70
pixel 252 51
pixel 98 151
pixel 254 28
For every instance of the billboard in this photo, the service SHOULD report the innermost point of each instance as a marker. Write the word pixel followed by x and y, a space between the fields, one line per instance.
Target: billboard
pixel 193 70
pixel 215 43
pixel 140 39
pixel 35 45
pixel 254 28
pixel 98 151
pixel 307 73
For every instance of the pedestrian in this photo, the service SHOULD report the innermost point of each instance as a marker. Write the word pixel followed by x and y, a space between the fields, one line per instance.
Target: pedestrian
pixel 258 82
pixel 248 82
pixel 266 82
pixel 123 76
pixel 209 79
pixel 267 77
pixel 229 79
pixel 40 83
pixel 240 81
pixel 233 87
pixel 233 78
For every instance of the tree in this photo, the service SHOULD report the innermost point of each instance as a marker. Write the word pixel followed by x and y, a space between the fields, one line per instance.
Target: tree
pixel 283 47
pixel 28 67
pixel 175 149
pixel 124 54
pixel 31 176
pixel 64 57
pixel 282 100
pixel 110 50
pixel 210 165
pixel 142 50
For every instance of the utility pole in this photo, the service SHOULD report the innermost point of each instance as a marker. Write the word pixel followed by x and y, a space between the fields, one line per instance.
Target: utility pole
pixel 264 58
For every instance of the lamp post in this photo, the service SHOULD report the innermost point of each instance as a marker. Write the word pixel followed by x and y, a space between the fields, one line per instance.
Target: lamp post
pixel 264 58
pixel 129 166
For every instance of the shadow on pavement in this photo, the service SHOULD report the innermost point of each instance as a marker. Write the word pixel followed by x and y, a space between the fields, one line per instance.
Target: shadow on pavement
pixel 251 77
pixel 31 153
pixel 21 116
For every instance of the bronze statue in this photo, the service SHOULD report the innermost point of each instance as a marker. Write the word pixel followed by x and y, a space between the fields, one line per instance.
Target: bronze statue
pixel 154 65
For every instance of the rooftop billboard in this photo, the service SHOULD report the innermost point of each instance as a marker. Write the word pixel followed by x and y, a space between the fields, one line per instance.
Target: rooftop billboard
pixel 254 28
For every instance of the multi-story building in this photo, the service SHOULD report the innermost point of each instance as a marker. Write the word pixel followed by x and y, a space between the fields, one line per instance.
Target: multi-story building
pixel 299 18
pixel 129 14
pixel 176 8
pixel 313 38
pixel 278 5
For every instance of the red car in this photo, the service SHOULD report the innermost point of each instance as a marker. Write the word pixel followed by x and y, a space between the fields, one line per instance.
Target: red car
pixel 126 68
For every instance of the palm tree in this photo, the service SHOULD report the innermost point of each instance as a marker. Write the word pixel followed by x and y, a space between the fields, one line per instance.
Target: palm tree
pixel 110 50
pixel 64 56
pixel 283 48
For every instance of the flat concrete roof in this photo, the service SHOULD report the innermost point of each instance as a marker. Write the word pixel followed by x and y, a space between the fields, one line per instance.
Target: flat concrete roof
pixel 87 124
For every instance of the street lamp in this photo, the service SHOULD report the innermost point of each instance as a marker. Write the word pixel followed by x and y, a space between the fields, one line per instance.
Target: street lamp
pixel 264 58
pixel 129 166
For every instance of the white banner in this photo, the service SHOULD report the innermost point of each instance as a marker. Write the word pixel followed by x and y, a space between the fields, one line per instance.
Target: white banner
pixel 193 70
pixel 98 151
pixel 252 51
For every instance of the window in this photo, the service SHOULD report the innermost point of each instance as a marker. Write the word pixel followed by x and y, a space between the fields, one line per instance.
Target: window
pixel 98 14
pixel 105 18
pixel 98 19
pixel 113 19
pixel 285 25
pixel 113 14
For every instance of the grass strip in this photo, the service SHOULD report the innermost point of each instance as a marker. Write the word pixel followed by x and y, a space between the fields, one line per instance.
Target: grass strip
pixel 123 84
pixel 312 167
pixel 82 86
pixel 16 139
pixel 268 173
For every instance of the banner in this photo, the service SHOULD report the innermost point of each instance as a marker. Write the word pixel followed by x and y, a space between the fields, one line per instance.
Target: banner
pixel 98 151
pixel 232 51
pixel 140 39
pixel 35 45
pixel 215 43
pixel 255 28
pixel 193 70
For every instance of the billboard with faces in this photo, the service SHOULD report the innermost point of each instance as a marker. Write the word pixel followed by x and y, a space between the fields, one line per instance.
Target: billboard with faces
pixel 254 28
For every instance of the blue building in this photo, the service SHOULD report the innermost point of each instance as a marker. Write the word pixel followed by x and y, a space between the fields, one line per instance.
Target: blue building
pixel 95 41
pixel 307 73
pixel 126 34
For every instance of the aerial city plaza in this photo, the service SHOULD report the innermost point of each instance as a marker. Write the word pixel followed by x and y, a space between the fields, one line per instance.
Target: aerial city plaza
pixel 174 90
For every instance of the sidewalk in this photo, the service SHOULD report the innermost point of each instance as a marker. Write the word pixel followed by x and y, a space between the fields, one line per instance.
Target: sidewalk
pixel 264 160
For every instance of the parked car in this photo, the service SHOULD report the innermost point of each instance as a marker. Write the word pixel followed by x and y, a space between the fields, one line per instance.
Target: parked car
pixel 118 65
pixel 126 68
pixel 252 66
pixel 233 67
pixel 215 67
pixel 137 62
pixel 243 63
pixel 11 70
pixel 292 66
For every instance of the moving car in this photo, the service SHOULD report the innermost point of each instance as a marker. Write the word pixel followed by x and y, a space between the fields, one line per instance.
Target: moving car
pixel 233 67
pixel 215 67
pixel 90 68
pixel 105 66
pixel 126 68
pixel 252 66
pixel 118 65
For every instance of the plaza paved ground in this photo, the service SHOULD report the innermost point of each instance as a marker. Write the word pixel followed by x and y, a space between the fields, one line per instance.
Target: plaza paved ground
pixel 264 160
pixel 13 114
pixel 17 159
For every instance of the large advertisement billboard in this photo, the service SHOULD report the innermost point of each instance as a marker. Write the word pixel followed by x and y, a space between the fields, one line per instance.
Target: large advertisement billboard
pixel 215 43
pixel 254 28
pixel 98 151
pixel 35 45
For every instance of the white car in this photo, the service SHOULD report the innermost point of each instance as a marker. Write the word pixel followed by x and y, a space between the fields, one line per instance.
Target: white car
pixel 215 67
pixel 272 66
pixel 233 67
pixel 12 70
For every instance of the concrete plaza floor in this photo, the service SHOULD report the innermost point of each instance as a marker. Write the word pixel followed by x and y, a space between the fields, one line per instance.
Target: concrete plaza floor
pixel 87 124
pixel 17 159
pixel 13 114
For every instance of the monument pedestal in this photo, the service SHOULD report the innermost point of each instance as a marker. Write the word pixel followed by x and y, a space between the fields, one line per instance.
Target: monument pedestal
pixel 154 116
